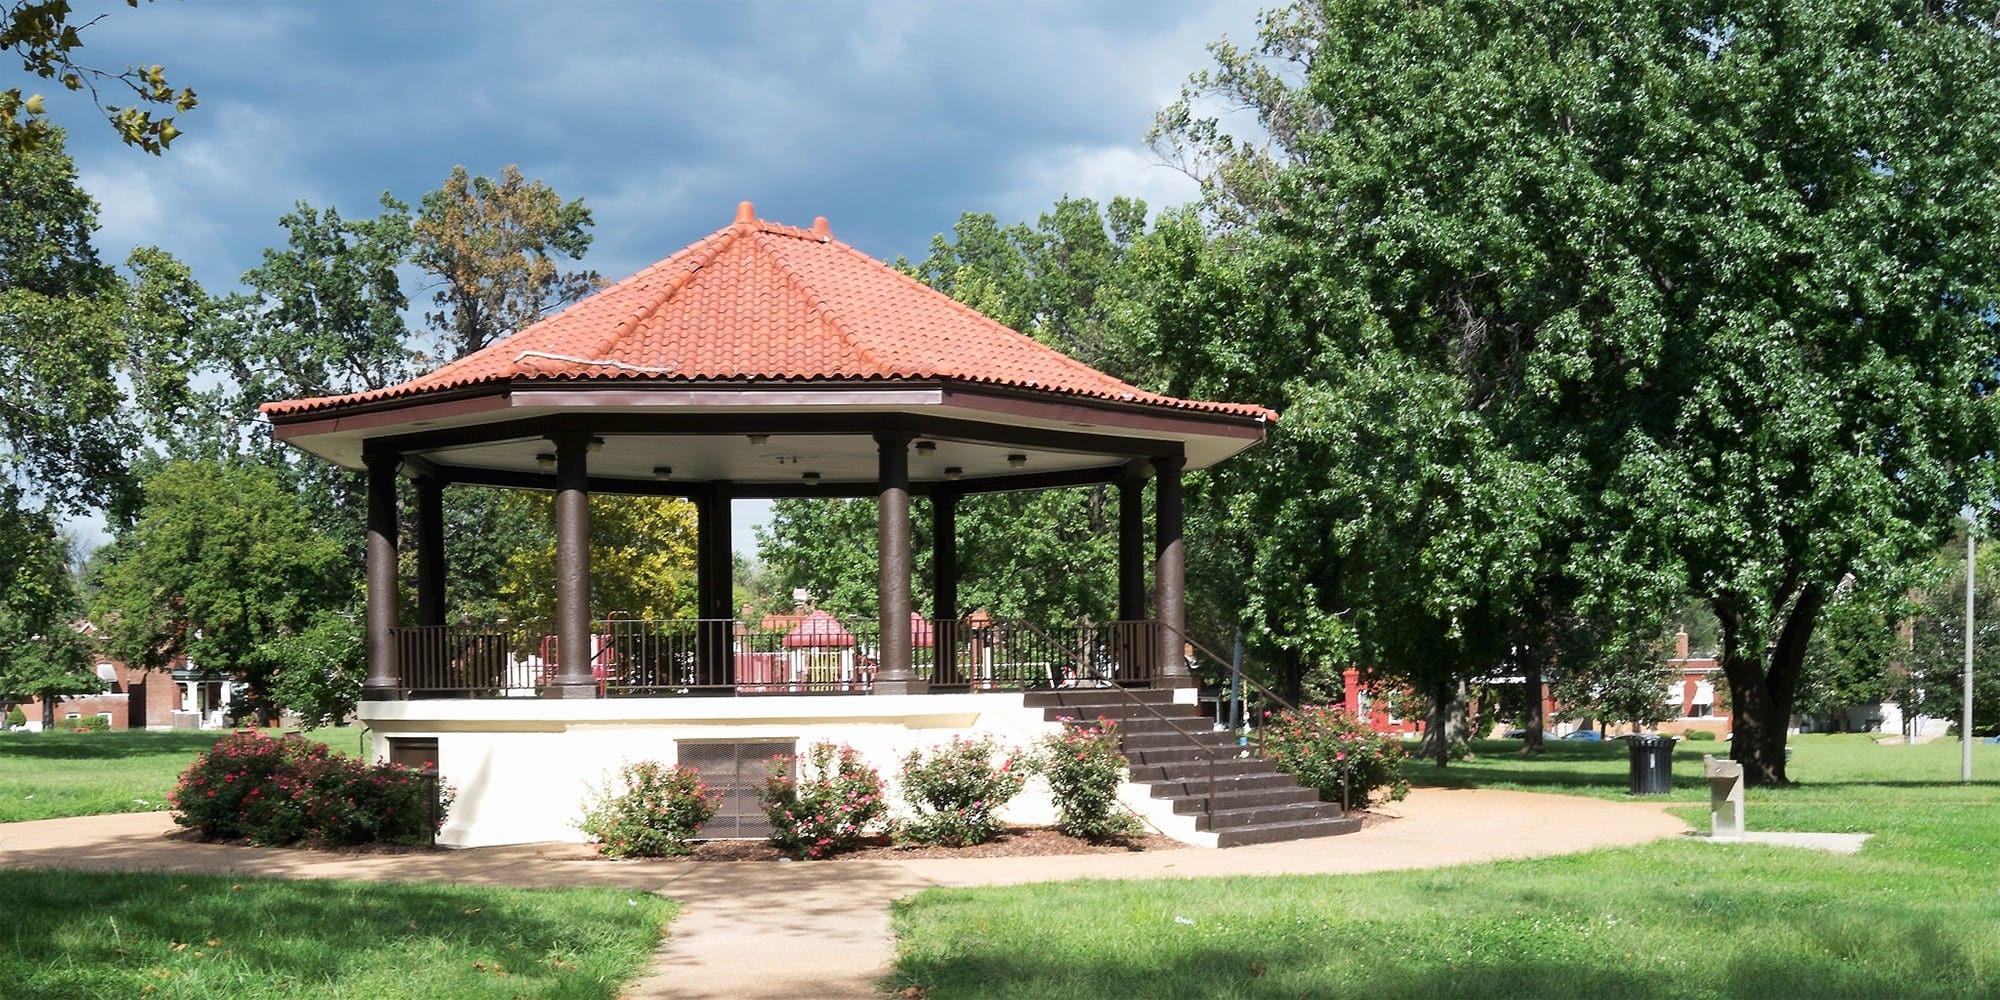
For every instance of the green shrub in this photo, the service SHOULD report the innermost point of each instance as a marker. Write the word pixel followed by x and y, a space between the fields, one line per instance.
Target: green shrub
pixel 1699 735
pixel 831 806
pixel 16 718
pixel 650 811
pixel 1328 750
pixel 1084 768
pixel 85 724
pixel 291 790
pixel 955 790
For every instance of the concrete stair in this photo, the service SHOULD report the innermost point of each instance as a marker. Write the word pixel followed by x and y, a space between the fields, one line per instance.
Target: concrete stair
pixel 1228 792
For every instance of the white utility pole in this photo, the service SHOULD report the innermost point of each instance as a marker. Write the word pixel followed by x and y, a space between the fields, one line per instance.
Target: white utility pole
pixel 1965 723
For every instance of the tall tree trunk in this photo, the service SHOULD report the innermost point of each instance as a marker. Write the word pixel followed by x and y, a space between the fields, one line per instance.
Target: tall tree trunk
pixel 1444 727
pixel 1763 685
pixel 1531 671
pixel 48 712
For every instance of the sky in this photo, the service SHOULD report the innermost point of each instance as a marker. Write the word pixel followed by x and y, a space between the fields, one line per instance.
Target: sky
pixel 889 117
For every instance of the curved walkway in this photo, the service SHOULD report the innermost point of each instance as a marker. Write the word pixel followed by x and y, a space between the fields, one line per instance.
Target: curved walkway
pixel 773 929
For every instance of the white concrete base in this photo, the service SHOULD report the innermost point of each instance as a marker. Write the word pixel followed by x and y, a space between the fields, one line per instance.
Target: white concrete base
pixel 1834 843
pixel 525 768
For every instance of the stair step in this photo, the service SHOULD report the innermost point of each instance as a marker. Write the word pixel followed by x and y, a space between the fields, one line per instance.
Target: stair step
pixel 1249 798
pixel 1130 742
pixel 1174 723
pixel 1271 833
pixel 1093 698
pixel 1180 788
pixel 1198 770
pixel 1283 812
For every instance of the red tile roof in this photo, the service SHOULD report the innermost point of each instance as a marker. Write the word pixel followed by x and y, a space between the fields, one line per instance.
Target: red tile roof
pixel 758 301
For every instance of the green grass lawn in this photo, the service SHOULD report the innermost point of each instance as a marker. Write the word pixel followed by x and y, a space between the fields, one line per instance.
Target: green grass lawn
pixel 1916 914
pixel 59 774
pixel 69 934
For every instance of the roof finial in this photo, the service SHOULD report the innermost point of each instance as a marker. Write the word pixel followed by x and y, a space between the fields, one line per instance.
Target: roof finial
pixel 821 229
pixel 746 213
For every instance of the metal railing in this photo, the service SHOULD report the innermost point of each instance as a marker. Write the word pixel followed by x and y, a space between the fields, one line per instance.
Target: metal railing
pixel 655 658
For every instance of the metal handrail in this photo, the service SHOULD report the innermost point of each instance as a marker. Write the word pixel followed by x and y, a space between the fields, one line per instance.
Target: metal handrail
pixel 1210 754
pixel 1347 772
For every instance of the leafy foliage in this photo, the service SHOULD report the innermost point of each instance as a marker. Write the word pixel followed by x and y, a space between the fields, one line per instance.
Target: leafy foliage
pixel 1084 769
pixel 290 790
pixel 823 803
pixel 220 565
pixel 493 245
pixel 42 34
pixel 41 655
pixel 955 791
pixel 1341 756
pixel 1654 300
pixel 649 811
pixel 319 669
pixel 1934 684
pixel 641 557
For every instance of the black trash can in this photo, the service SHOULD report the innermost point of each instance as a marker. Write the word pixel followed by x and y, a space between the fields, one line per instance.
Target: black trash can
pixel 1652 764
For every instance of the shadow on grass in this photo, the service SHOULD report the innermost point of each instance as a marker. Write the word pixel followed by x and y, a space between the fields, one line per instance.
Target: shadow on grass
pixel 1289 973
pixel 98 934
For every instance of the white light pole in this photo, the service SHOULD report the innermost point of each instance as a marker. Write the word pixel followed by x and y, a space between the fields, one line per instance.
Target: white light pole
pixel 1965 723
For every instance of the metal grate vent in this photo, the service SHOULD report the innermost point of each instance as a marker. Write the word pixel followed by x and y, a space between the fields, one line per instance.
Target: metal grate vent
pixel 737 769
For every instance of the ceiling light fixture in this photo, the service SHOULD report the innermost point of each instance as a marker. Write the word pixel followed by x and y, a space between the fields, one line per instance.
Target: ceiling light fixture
pixel 926 449
pixel 1016 461
pixel 596 444
pixel 663 472
pixel 953 472
pixel 545 462
pixel 759 440
pixel 811 478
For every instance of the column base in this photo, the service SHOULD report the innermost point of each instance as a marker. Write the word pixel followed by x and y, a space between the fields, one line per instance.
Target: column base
pixel 915 685
pixel 584 690
pixel 381 693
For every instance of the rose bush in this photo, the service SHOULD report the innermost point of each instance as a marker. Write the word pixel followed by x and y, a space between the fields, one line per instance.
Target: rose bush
pixel 291 790
pixel 830 805
pixel 1084 769
pixel 649 811
pixel 955 791
pixel 1327 749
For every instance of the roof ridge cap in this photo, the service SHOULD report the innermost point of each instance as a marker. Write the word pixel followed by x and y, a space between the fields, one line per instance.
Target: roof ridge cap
pixel 829 316
pixel 725 238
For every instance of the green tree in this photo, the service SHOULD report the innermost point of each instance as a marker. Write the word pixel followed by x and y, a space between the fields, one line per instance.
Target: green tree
pixel 221 564
pixel 642 553
pixel 1934 684
pixel 1723 277
pixel 492 245
pixel 43 35
pixel 41 654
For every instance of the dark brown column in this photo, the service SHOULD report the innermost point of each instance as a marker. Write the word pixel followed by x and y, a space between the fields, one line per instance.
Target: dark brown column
pixel 384 680
pixel 945 635
pixel 1131 549
pixel 1170 572
pixel 944 555
pixel 714 598
pixel 892 545
pixel 430 551
pixel 573 678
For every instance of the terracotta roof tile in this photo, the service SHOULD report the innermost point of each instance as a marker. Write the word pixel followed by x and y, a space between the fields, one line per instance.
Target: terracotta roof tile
pixel 759 301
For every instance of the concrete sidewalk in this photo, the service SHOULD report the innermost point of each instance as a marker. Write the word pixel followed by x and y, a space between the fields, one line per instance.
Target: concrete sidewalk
pixel 775 929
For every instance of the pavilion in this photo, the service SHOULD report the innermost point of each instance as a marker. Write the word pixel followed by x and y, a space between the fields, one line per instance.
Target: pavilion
pixel 762 361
